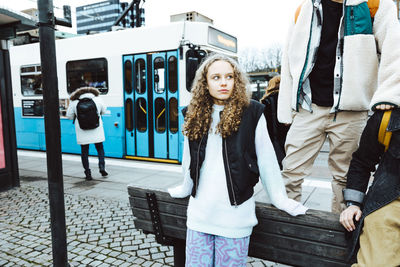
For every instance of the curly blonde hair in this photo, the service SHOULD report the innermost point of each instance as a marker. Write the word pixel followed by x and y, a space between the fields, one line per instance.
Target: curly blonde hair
pixel 198 116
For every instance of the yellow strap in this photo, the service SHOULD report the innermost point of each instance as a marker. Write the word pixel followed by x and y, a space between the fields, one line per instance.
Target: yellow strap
pixel 383 135
pixel 296 14
pixel 373 6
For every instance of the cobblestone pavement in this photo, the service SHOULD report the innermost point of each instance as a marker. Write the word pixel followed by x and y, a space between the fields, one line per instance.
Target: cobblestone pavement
pixel 100 232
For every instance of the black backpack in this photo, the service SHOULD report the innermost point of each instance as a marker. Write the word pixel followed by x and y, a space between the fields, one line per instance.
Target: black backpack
pixel 87 114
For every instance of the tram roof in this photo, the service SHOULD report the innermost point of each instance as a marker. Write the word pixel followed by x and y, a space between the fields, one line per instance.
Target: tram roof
pixel 143 39
pixel 12 21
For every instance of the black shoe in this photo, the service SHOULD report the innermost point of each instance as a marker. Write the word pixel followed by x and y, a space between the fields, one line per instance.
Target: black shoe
pixel 104 173
pixel 88 175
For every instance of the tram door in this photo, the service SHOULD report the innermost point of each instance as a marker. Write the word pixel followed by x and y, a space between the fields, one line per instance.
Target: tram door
pixel 151 105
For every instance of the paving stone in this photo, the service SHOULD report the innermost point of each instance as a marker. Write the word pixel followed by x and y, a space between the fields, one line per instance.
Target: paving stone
pixel 100 231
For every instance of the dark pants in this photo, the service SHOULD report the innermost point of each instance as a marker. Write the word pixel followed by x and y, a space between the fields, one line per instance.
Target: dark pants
pixel 85 156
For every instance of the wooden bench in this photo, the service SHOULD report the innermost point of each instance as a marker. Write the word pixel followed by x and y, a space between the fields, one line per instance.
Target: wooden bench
pixel 315 239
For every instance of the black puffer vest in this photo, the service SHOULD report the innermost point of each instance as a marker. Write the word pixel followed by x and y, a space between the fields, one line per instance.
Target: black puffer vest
pixel 239 154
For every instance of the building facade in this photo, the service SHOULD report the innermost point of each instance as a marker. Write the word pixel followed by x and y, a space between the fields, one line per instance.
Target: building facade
pixel 99 17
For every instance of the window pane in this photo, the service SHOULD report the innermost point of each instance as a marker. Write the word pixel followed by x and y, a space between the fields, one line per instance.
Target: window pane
pixel 128 76
pixel 159 110
pixel 172 74
pixel 91 72
pixel 159 75
pixel 141 111
pixel 173 115
pixel 128 114
pixel 140 68
pixel 28 69
pixel 31 84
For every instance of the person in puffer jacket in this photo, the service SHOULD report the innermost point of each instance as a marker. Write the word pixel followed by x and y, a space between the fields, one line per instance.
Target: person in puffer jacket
pixel 277 131
pixel 340 60
pixel 89 136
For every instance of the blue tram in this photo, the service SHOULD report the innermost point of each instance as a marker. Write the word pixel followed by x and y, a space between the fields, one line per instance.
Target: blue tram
pixel 144 76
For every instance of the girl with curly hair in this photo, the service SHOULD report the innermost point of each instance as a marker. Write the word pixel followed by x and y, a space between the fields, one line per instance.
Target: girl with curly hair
pixel 226 149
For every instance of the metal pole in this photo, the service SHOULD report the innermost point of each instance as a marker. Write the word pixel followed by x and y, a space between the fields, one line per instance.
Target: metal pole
pixel 53 133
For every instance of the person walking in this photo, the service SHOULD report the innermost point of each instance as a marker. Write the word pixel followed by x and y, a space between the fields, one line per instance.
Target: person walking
pixel 377 234
pixel 339 61
pixel 85 109
pixel 277 131
pixel 226 149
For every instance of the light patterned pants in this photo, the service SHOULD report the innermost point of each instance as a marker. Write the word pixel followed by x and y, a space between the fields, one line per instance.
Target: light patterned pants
pixel 380 238
pixel 211 250
pixel 305 138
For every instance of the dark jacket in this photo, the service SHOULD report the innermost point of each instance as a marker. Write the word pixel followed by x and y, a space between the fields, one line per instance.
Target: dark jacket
pixel 277 131
pixel 239 155
pixel 386 185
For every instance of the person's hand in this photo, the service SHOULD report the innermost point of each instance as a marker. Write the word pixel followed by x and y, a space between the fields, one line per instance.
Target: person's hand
pixel 346 217
pixel 384 107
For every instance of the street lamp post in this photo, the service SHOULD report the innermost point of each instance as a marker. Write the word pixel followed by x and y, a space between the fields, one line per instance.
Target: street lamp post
pixel 47 23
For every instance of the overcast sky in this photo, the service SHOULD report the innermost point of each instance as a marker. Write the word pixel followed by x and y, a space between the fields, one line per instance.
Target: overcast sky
pixel 256 23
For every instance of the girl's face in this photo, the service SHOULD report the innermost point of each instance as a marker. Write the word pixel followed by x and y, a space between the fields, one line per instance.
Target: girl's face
pixel 220 81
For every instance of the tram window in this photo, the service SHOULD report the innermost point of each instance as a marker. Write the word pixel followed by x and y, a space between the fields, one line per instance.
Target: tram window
pixel 128 76
pixel 173 115
pixel 159 75
pixel 128 114
pixel 90 72
pixel 159 115
pixel 172 74
pixel 193 60
pixel 140 68
pixel 141 111
pixel 31 80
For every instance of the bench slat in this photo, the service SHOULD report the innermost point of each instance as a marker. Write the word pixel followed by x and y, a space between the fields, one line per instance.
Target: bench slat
pixel 290 257
pixel 320 235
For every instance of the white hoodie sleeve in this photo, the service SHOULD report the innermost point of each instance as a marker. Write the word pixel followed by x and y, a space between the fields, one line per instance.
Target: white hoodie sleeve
pixel 286 86
pixel 270 174
pixel 184 189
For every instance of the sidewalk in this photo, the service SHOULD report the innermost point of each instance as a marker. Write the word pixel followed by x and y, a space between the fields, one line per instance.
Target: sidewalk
pixel 100 226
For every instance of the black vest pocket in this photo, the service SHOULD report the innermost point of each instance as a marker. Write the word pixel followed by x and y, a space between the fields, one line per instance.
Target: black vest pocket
pixel 251 163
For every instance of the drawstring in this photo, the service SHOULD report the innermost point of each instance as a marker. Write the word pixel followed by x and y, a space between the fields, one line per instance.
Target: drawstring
pixel 316 6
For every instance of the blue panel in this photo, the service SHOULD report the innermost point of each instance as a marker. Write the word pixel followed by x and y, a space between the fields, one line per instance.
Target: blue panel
pixel 173 136
pixel 129 100
pixel 113 131
pixel 30 133
pixel 159 96
pixel 142 136
pixel 180 136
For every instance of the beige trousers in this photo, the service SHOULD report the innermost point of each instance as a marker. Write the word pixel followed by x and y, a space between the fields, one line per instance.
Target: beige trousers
pixel 305 138
pixel 380 238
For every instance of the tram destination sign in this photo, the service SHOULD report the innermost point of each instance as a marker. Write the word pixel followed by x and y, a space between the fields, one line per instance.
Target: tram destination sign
pixel 222 40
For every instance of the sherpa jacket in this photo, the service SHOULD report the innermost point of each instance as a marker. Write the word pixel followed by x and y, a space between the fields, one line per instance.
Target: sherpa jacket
pixel 367 68
pixel 84 137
